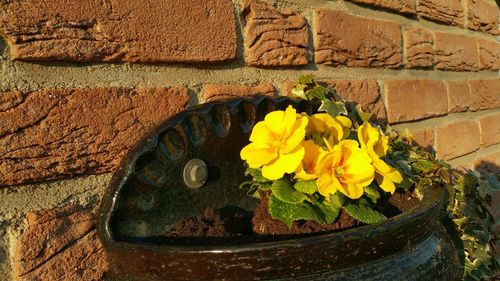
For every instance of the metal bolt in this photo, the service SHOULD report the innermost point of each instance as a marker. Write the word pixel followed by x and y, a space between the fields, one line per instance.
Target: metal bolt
pixel 195 173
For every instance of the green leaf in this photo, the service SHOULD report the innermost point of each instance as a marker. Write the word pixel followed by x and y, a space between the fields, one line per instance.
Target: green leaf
pixel 423 166
pixel 364 213
pixel 298 91
pixel 288 213
pixel 333 108
pixel 284 191
pixel 256 174
pixel 372 193
pixel 305 79
pixel 338 199
pixel 364 116
pixel 329 210
pixel 307 187
pixel 317 92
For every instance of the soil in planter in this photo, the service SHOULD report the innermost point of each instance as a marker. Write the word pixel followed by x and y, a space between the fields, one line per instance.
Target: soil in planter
pixel 235 225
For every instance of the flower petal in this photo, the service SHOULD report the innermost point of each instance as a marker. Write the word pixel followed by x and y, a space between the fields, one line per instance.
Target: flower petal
pixel 285 163
pixel 274 122
pixel 262 134
pixel 385 183
pixel 327 185
pixel 258 155
pixel 353 191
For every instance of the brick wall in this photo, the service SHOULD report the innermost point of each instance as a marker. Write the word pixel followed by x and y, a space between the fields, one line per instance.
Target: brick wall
pixel 82 80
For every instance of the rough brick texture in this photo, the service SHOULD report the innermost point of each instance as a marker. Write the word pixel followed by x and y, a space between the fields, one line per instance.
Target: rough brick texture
pixel 418 44
pixel 485 93
pixel 63 132
pixel 455 52
pixel 489 54
pixel 409 100
pixel 456 139
pixel 344 39
pixel 213 92
pixel 424 138
pixel 401 6
pixel 88 30
pixel 459 97
pixel 274 38
pixel 60 244
pixel 483 16
pixel 445 11
pixel 490 129
pixel 363 92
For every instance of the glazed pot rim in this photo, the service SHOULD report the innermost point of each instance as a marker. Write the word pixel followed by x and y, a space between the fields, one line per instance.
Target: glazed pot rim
pixel 427 209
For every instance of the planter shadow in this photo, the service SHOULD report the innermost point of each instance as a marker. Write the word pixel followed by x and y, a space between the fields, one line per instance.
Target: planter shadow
pixel 148 194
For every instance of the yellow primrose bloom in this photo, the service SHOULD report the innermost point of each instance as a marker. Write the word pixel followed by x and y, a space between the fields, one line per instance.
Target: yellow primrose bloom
pixel 337 127
pixel 375 143
pixel 346 168
pixel 307 170
pixel 276 143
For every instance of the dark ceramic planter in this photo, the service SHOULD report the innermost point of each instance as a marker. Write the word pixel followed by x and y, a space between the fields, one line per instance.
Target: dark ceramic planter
pixel 147 195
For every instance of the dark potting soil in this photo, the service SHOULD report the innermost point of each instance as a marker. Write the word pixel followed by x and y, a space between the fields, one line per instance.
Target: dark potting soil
pixel 235 225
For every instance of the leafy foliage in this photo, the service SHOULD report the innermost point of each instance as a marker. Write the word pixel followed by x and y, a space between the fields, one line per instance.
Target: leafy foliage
pixel 466 213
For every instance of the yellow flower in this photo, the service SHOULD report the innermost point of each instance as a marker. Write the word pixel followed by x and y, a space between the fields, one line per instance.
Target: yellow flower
pixel 346 168
pixel 375 143
pixel 307 170
pixel 337 128
pixel 276 143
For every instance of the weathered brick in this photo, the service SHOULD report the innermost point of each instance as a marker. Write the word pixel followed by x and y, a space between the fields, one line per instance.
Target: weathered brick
pixel 64 132
pixel 273 37
pixel 424 138
pixel 408 100
pixel 485 93
pixel 60 244
pixel 445 11
pixel 455 52
pixel 483 16
pixel 135 31
pixel 490 129
pixel 344 39
pixel 401 6
pixel 456 139
pixel 212 92
pixel 363 92
pixel 489 54
pixel 459 97
pixel 418 44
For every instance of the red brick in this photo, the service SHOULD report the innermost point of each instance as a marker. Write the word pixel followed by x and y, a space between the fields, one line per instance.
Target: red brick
pixel 456 139
pixel 490 129
pixel 274 37
pixel 212 92
pixel 455 52
pixel 65 132
pixel 424 138
pixel 409 100
pixel 344 39
pixel 134 31
pixel 401 6
pixel 418 44
pixel 483 16
pixel 489 54
pixel 60 244
pixel 459 97
pixel 445 11
pixel 485 93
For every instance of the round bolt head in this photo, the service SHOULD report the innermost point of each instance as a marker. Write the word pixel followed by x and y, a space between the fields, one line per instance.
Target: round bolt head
pixel 195 173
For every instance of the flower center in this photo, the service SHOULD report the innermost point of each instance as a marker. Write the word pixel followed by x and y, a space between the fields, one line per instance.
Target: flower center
pixel 339 171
